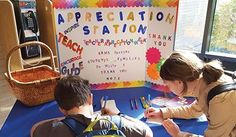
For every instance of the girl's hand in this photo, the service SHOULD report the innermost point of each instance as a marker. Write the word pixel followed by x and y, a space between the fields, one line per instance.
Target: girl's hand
pixel 171 127
pixel 153 112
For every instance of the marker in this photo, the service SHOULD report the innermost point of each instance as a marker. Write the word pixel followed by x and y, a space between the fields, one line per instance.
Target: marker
pixel 149 103
pixel 143 102
pixel 131 104
pixel 136 103
pixel 149 100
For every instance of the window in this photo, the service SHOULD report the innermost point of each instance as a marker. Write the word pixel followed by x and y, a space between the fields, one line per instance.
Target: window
pixel 208 28
pixel 223 36
pixel 190 25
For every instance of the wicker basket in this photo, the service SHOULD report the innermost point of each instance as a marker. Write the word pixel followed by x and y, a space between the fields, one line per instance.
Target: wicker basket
pixel 34 85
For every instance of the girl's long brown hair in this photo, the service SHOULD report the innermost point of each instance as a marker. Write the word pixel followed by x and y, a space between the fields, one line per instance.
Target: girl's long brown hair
pixel 188 67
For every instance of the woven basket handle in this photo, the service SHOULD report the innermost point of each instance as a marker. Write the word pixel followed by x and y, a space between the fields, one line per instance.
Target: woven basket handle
pixel 24 45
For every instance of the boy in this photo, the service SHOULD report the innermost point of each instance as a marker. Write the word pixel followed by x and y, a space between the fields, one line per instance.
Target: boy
pixel 74 99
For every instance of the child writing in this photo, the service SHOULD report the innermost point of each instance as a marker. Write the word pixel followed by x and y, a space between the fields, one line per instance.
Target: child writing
pixel 75 100
pixel 186 75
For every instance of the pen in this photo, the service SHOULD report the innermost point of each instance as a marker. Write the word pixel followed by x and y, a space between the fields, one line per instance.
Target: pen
pixel 105 102
pixel 136 103
pixel 131 104
pixel 149 103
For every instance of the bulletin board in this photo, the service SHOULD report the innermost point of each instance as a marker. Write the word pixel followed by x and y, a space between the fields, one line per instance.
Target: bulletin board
pixel 115 43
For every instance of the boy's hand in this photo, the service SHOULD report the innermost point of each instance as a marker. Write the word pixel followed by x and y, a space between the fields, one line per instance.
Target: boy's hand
pixel 109 108
pixel 108 111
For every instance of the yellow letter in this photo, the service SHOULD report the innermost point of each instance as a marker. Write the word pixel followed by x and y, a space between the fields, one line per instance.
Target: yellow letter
pixel 169 18
pixel 70 16
pixel 132 28
pixel 131 16
pixel 95 29
pixel 151 15
pixel 88 16
pixel 109 16
pixel 116 28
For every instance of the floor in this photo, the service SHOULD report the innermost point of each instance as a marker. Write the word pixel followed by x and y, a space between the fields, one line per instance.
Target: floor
pixel 7 100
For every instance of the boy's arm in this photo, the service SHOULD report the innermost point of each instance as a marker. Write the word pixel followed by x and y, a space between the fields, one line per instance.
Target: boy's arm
pixel 135 128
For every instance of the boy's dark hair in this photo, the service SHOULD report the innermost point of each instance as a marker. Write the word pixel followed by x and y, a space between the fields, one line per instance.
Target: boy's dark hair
pixel 72 91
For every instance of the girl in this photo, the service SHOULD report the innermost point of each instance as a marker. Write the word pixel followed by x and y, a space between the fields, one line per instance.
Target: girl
pixel 186 75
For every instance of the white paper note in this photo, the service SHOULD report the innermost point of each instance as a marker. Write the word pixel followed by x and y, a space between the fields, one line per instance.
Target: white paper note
pixel 154 120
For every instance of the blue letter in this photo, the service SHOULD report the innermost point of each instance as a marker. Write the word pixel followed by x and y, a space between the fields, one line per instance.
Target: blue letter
pixel 86 30
pixel 160 16
pixel 141 28
pixel 124 28
pixel 77 16
pixel 141 13
pixel 105 30
pixel 75 70
pixel 99 16
pixel 64 70
pixel 60 19
pixel 121 16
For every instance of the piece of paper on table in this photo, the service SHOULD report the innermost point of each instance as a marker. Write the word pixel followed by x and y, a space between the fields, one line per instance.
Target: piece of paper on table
pixel 99 112
pixel 154 120
pixel 160 101
pixel 171 102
